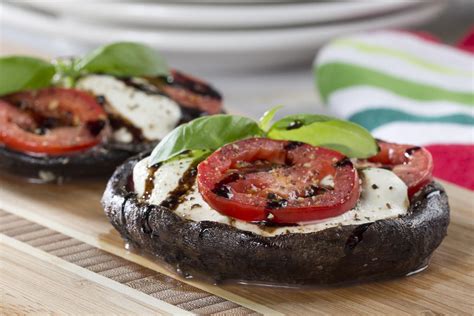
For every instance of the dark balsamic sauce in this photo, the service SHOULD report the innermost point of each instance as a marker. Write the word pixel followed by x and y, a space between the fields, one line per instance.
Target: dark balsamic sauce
pixel 101 100
pixel 270 226
pixel 232 177
pixel 156 85
pixel 155 88
pixel 95 127
pixel 343 162
pixel 189 114
pixel 409 151
pixel 275 202
pixel 292 145
pixel 314 190
pixel 222 187
pixel 295 124
pixel 57 118
pixel 177 80
pixel 223 191
pixel 118 122
pixel 180 80
pixel 174 197
pixel 150 182
pixel 184 186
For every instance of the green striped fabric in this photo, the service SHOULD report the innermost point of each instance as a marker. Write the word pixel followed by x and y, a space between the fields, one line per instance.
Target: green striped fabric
pixel 399 86
pixel 350 75
pixel 374 118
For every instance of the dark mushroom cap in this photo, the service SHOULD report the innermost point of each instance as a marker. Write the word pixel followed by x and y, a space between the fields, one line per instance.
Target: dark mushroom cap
pixel 345 254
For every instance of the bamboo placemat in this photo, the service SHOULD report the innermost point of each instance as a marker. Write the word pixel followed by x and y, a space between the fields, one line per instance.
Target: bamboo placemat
pixel 142 279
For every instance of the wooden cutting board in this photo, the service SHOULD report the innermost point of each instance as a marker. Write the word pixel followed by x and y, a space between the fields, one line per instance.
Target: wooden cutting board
pixel 59 253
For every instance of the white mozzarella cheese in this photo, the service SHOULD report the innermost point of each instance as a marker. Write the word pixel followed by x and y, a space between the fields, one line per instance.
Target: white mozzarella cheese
pixel 123 135
pixel 154 114
pixel 166 178
pixel 384 195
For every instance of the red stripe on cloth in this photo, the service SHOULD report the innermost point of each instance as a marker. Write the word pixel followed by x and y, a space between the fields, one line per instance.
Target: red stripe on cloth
pixel 467 43
pixel 454 163
pixel 425 36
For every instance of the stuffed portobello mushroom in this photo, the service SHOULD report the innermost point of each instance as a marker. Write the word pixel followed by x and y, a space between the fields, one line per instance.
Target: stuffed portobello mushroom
pixel 281 204
pixel 85 116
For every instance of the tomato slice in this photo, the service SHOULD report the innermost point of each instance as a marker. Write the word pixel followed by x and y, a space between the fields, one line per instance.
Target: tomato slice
pixel 51 121
pixel 193 93
pixel 261 179
pixel 412 164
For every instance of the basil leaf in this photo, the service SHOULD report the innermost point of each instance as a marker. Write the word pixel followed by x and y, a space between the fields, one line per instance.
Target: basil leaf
pixel 205 133
pixel 21 73
pixel 66 75
pixel 267 117
pixel 124 59
pixel 318 130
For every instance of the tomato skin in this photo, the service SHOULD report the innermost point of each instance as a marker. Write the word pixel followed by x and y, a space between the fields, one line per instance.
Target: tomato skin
pixel 412 164
pixel 261 179
pixel 79 121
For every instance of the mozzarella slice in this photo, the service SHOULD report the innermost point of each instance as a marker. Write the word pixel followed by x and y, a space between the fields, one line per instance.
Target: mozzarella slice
pixel 384 195
pixel 154 114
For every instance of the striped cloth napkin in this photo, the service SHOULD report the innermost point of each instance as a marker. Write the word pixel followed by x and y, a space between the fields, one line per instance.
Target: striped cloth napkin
pixel 406 88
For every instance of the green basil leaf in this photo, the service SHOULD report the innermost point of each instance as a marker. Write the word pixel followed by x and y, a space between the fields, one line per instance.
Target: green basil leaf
pixel 205 133
pixel 267 117
pixel 66 75
pixel 21 73
pixel 124 59
pixel 318 130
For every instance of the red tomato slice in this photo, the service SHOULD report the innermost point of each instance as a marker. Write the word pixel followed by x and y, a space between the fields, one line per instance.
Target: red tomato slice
pixel 261 179
pixel 412 164
pixel 51 121
pixel 193 93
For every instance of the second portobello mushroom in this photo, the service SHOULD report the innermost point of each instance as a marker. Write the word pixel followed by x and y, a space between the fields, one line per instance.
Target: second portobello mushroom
pixel 140 108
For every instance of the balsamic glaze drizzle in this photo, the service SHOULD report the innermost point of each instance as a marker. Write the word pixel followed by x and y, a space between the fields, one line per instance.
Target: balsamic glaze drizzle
pixel 293 145
pixel 95 127
pixel 150 182
pixel 343 162
pixel 118 122
pixel 222 187
pixel 174 197
pixel 314 190
pixel 101 100
pixel 179 79
pixel 270 226
pixel 295 124
pixel 411 150
pixel 275 202
pixel 184 186
pixel 156 84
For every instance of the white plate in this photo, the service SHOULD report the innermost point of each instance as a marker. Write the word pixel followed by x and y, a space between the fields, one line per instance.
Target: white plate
pixel 217 16
pixel 225 51
pixel 224 2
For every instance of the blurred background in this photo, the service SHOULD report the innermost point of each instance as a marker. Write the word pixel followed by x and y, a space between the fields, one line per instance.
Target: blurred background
pixel 257 53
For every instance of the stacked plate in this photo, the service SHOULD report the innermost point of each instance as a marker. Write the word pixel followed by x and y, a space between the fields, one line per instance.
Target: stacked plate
pixel 216 35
